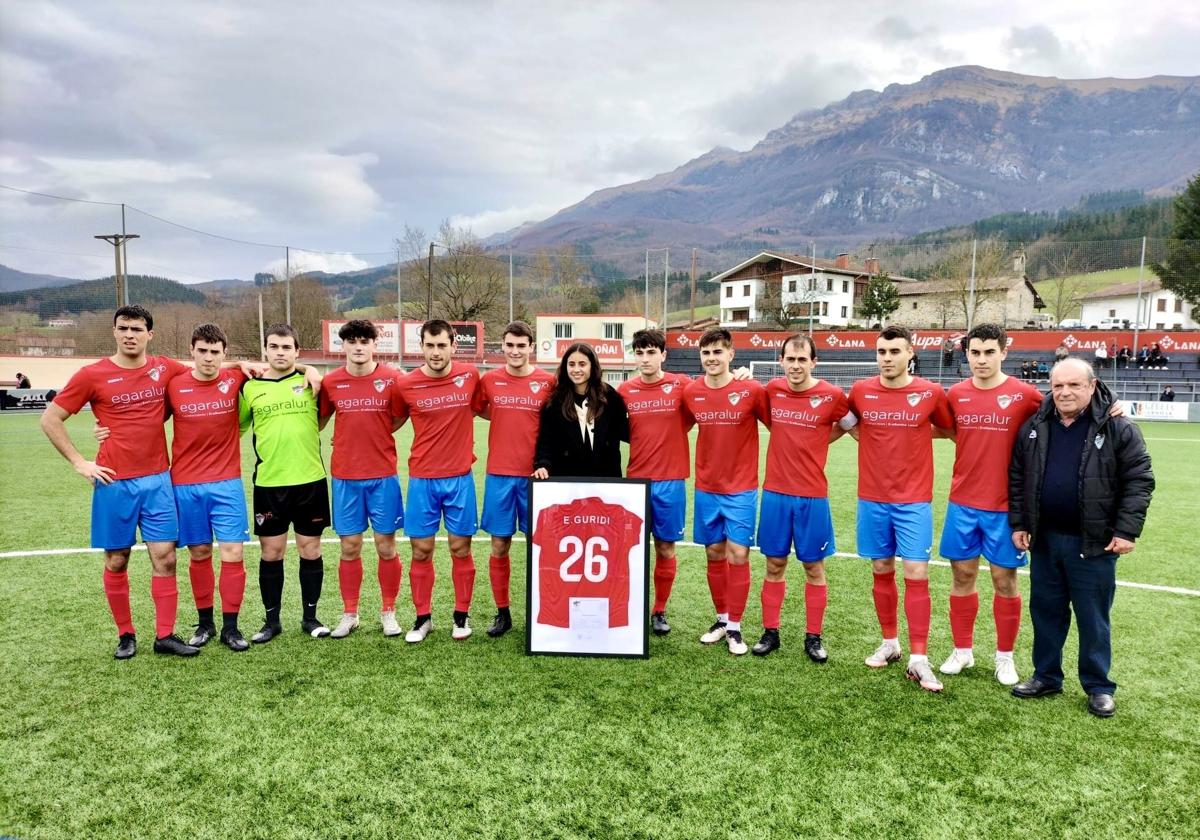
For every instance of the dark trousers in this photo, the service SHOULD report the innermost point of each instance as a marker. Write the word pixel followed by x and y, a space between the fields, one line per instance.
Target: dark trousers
pixel 1062 581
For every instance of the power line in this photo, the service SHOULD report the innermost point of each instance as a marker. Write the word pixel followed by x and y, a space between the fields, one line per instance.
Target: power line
pixel 59 197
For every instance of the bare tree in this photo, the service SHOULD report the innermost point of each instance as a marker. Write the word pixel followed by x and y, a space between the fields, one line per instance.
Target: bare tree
pixel 954 272
pixel 468 283
pixel 1066 285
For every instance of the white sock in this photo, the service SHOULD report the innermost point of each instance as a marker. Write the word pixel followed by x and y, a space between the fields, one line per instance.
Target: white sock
pixel 914 658
pixel 733 625
pixel 965 651
pixel 1004 654
pixel 893 642
pixel 723 618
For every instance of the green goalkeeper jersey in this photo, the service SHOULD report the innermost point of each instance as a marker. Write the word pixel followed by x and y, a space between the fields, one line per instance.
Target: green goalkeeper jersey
pixel 287 442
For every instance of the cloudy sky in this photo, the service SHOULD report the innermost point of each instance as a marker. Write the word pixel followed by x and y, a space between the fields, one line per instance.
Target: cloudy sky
pixel 331 126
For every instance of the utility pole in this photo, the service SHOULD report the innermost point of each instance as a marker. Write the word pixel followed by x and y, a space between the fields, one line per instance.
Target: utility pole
pixel 646 314
pixel 287 283
pixel 692 304
pixel 510 285
pixel 971 288
pixel 124 257
pixel 399 315
pixel 429 285
pixel 117 240
pixel 666 275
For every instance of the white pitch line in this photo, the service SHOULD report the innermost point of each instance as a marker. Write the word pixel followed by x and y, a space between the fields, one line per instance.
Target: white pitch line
pixel 50 552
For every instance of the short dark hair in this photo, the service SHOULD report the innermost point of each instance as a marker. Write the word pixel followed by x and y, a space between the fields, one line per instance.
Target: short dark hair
pixel 519 329
pixel 716 335
pixel 894 332
pixel 645 339
pixel 358 328
pixel 283 330
pixel 437 326
pixel 134 313
pixel 210 333
pixel 799 338
pixel 989 332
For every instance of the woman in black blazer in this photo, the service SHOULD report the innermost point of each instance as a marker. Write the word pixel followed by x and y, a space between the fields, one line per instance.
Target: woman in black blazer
pixel 583 423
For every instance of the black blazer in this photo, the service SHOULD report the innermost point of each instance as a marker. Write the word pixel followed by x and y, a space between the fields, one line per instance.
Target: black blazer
pixel 560 447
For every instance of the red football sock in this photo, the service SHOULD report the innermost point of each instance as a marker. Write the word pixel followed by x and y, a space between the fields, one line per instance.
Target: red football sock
pixel 200 573
pixel 462 572
pixel 420 584
pixel 737 589
pixel 233 586
pixel 350 575
pixel 917 610
pixel 773 593
pixel 887 597
pixel 718 571
pixel 165 592
pixel 390 571
pixel 664 578
pixel 1008 621
pixel 815 598
pixel 116 590
pixel 499 572
pixel 963 610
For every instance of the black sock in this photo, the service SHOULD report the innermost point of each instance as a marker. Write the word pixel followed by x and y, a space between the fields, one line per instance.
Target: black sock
pixel 206 616
pixel 229 621
pixel 312 574
pixel 270 583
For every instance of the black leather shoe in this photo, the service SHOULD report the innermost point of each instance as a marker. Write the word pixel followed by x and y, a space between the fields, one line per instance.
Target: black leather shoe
pixel 815 648
pixel 233 639
pixel 175 646
pixel 268 632
pixel 204 634
pixel 768 643
pixel 1033 687
pixel 658 624
pixel 1102 705
pixel 126 646
pixel 501 624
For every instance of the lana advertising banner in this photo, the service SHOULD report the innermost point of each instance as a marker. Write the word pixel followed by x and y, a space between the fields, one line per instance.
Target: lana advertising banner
pixel 1077 341
pixel 587 569
pixel 469 335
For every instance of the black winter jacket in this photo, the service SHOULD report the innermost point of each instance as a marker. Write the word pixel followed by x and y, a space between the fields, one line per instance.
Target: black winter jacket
pixel 1115 479
pixel 560 447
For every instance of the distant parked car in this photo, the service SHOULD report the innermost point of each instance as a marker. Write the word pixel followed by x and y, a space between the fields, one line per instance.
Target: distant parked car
pixel 1041 321
pixel 1111 324
pixel 1070 324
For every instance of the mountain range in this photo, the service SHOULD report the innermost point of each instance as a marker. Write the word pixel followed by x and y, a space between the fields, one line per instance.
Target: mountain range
pixel 958 145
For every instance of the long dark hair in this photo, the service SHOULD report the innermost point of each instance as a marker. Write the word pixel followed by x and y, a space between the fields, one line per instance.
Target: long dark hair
pixel 564 388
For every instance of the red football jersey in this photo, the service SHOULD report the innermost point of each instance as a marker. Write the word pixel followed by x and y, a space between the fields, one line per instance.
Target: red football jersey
pixel 658 428
pixel 584 549
pixel 363 444
pixel 443 421
pixel 513 404
pixel 895 438
pixel 987 422
pixel 205 444
pixel 727 447
pixel 132 403
pixel 801 422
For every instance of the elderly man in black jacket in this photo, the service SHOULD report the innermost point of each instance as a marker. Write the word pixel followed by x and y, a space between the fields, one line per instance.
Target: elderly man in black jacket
pixel 1078 488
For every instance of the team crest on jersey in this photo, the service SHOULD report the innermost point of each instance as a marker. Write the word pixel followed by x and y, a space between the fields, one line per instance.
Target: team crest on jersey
pixel 913 399
pixel 669 387
pixel 459 380
pixel 1004 400
pixel 379 384
pixel 156 372
pixel 224 385
pixel 734 398
pixel 815 401
pixel 535 387
pixel 298 389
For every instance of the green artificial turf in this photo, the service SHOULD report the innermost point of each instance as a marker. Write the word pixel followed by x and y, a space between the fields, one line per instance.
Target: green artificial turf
pixel 370 737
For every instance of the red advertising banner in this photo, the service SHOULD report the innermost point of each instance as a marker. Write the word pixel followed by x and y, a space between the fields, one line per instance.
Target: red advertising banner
pixel 1077 341
pixel 607 349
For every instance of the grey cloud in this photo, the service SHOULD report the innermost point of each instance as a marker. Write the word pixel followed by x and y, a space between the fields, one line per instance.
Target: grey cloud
pixel 1034 43
pixel 894 28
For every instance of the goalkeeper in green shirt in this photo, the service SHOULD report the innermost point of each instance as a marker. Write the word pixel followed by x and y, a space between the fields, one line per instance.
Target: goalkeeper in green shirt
pixel 289 478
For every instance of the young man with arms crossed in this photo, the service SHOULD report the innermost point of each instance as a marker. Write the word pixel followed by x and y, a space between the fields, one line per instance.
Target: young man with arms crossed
pixel 510 397
pixel 807 414
pixel 439 396
pixel 727 412
pixel 131 484
pixel 988 410
pixel 365 396
pixel 289 479
pixel 658 451
pixel 897 412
